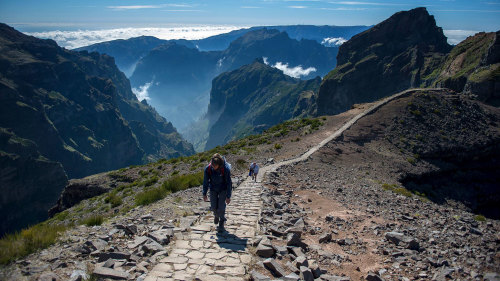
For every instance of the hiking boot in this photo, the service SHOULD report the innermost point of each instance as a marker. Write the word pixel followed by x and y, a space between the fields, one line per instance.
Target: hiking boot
pixel 221 228
pixel 216 220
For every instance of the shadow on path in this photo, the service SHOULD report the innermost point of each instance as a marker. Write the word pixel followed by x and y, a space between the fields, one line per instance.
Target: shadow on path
pixel 231 242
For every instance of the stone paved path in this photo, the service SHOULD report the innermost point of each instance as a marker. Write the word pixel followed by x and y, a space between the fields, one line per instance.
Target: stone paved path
pixel 204 254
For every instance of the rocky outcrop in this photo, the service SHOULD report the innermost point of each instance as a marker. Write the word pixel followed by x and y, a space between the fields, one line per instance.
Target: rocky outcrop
pixel 473 68
pixel 254 98
pixel 78 109
pixel 392 56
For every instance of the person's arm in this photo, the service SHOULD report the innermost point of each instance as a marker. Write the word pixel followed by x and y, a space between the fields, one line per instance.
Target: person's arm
pixel 205 182
pixel 229 183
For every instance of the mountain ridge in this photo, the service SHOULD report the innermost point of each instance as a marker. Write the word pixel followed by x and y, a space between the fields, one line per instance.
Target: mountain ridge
pixel 70 104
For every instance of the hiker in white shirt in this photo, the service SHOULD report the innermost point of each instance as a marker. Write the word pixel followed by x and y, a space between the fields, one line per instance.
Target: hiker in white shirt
pixel 254 170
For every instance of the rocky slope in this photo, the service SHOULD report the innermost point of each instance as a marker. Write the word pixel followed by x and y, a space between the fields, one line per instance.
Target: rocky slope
pixel 392 56
pixel 391 198
pixel 76 109
pixel 340 215
pixel 253 98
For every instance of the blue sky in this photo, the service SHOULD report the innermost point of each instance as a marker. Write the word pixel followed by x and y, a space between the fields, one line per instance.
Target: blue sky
pixel 71 14
pixel 68 15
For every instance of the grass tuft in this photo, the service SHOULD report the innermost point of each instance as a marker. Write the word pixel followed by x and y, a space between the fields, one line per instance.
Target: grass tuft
pixel 93 220
pixel 479 218
pixel 29 240
pixel 171 185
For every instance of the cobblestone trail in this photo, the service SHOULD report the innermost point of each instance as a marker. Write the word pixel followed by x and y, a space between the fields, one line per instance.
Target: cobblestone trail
pixel 204 254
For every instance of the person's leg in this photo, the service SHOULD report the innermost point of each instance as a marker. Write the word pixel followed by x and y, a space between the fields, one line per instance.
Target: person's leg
pixel 221 209
pixel 214 205
pixel 255 179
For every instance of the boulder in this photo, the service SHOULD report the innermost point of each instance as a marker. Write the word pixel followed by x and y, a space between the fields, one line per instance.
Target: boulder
pixel 306 274
pixel 293 239
pixel 264 251
pixel 274 267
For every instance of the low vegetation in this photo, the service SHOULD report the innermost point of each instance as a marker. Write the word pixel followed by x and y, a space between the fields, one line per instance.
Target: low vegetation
pixel 171 185
pixel 143 185
pixel 93 220
pixel 28 241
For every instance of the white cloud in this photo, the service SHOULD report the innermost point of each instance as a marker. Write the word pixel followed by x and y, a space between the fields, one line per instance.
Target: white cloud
pixel 367 3
pixel 80 38
pixel 295 72
pixel 297 7
pixel 142 92
pixel 457 36
pixel 344 9
pixel 137 7
pixel 333 41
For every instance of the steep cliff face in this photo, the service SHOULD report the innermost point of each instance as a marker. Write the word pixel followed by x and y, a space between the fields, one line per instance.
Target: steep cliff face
pixel 69 105
pixel 30 183
pixel 394 55
pixel 178 80
pixel 253 98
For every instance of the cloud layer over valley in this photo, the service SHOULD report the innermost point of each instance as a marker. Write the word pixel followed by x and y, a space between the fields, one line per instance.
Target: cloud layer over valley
pixel 80 38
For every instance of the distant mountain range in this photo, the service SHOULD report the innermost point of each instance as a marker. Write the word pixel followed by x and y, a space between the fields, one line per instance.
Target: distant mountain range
pixel 177 79
pixel 66 114
pixel 405 51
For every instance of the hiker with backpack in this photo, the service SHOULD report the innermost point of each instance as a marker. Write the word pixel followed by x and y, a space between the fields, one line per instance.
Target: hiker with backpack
pixel 217 178
pixel 254 170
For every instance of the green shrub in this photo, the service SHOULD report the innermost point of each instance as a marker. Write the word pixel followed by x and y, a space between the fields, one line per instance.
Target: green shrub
pixel 150 196
pixel 479 218
pixel 411 160
pixel 29 240
pixel 397 189
pixel 113 199
pixel 182 182
pixel 277 146
pixel 150 181
pixel 93 220
pixel 120 177
pixel 62 215
pixel 171 185
pixel 415 112
pixel 241 163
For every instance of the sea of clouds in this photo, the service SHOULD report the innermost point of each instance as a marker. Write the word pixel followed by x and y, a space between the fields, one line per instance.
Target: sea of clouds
pixel 80 38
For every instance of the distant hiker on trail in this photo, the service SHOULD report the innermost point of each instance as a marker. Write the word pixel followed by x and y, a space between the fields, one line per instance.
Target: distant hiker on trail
pixel 217 177
pixel 254 170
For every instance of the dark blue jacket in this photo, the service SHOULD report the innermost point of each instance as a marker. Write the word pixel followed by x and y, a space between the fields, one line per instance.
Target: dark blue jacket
pixel 216 181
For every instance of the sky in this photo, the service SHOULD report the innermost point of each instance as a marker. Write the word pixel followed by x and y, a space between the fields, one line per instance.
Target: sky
pixel 97 20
